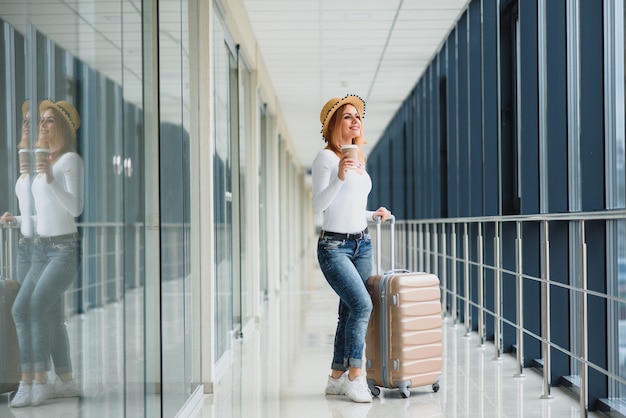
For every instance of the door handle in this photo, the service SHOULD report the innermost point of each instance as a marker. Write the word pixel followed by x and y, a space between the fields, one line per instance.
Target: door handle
pixel 117 164
pixel 128 167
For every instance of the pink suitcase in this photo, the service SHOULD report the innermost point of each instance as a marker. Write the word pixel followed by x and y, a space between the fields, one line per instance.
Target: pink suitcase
pixel 9 349
pixel 403 344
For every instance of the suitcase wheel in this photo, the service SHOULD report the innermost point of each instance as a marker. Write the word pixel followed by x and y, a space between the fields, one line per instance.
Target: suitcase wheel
pixel 404 392
pixel 374 389
pixel 436 387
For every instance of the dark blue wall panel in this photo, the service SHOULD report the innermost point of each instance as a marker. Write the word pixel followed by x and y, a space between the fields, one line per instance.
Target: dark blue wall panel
pixel 466 143
pixel 592 162
pixel 556 84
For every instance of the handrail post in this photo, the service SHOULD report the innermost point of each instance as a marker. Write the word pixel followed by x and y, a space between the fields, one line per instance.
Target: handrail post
pixel 137 281
pixel 392 247
pixel 466 282
pixel 3 267
pixel 101 289
pixel 85 268
pixel 545 310
pixel 435 247
pixel 118 263
pixel 481 286
pixel 497 292
pixel 420 246
pixel 411 247
pixel 519 292
pixel 584 368
pixel 455 315
pixel 12 271
pixel 415 249
pixel 427 249
pixel 444 269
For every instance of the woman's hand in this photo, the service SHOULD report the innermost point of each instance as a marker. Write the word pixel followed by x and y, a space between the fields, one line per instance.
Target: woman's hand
pixel 383 212
pixel 345 163
pixel 7 217
pixel 24 167
pixel 45 167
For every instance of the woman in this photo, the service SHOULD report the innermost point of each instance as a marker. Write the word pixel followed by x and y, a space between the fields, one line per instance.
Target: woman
pixel 344 250
pixel 38 309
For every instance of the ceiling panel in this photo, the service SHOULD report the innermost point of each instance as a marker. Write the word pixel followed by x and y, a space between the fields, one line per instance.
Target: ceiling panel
pixel 312 49
pixel 317 49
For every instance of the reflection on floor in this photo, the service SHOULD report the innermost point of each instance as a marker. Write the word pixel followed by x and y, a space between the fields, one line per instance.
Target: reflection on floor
pixel 97 348
pixel 279 371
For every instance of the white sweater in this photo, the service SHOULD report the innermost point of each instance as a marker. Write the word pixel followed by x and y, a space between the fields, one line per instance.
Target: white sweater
pixel 343 203
pixel 58 203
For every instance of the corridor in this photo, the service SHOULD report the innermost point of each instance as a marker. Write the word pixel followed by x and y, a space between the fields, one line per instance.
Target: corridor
pixel 280 371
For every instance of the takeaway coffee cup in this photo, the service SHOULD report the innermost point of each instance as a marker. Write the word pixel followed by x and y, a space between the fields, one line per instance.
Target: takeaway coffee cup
pixel 24 155
pixel 353 152
pixel 41 155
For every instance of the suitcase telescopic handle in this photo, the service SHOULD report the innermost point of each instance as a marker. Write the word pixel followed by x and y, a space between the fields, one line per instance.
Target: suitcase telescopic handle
pixel 392 220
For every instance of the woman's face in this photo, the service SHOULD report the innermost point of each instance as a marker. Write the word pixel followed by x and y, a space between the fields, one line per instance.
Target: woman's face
pixel 350 124
pixel 48 129
pixel 26 125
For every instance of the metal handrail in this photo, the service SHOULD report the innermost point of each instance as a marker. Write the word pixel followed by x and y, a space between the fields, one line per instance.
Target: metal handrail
pixel 437 249
pixel 102 254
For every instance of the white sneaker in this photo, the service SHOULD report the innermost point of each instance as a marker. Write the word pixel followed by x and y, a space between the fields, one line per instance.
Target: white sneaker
pixel 337 386
pixel 22 396
pixel 357 390
pixel 40 392
pixel 61 389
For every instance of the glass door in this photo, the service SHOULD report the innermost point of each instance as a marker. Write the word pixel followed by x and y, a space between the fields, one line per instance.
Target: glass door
pixel 174 201
pixel 77 68
pixel 226 302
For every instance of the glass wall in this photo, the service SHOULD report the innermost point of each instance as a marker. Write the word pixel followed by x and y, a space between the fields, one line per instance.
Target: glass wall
pixel 223 192
pixel 552 142
pixel 245 194
pixel 114 78
pixel 70 85
pixel 87 71
pixel 174 182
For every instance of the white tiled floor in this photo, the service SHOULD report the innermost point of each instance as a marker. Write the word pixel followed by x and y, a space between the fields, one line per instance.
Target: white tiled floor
pixel 280 371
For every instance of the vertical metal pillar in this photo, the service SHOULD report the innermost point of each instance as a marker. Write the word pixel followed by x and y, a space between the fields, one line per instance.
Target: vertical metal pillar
pixel 545 310
pixel 420 245
pixel 519 296
pixel 466 282
pixel 427 248
pixel 584 368
pixel 455 314
pixel 444 269
pixel 497 291
pixel 481 286
pixel 435 247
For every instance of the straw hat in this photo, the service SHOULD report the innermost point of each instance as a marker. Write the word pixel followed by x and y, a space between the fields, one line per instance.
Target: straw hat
pixel 68 111
pixel 335 103
pixel 25 107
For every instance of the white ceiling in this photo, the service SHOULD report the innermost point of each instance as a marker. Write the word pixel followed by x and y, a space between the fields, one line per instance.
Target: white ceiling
pixel 312 49
pixel 318 49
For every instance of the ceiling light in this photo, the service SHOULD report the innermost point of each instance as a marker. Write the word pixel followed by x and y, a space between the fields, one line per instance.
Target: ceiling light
pixel 357 15
pixel 352 50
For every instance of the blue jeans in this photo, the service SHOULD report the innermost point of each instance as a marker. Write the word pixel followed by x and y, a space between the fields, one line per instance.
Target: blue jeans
pixel 38 307
pixel 346 265
pixel 59 341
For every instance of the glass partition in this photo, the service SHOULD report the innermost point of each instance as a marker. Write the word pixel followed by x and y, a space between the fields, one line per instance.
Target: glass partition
pixel 84 69
pixel 68 86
